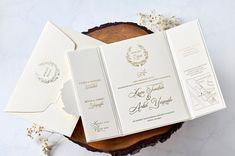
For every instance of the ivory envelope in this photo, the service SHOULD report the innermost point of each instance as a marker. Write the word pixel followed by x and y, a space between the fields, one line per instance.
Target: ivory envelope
pixel 37 95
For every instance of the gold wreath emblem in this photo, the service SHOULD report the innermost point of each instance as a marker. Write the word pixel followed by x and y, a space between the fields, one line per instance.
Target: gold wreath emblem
pixel 47 72
pixel 137 56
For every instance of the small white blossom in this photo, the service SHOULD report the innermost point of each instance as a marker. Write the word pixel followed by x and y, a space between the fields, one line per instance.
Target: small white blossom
pixel 40 135
pixel 157 22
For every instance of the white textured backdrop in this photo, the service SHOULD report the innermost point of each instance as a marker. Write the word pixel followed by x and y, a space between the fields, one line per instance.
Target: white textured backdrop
pixel 21 22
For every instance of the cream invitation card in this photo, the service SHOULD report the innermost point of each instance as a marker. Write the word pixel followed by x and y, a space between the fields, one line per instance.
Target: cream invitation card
pixel 144 83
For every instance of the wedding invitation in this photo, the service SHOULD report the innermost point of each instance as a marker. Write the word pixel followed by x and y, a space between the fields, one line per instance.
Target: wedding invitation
pixel 144 82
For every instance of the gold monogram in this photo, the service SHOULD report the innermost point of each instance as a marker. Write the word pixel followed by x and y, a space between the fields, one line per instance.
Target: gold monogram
pixel 47 72
pixel 137 56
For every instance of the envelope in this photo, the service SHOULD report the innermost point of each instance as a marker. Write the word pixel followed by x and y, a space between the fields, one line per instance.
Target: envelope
pixel 37 95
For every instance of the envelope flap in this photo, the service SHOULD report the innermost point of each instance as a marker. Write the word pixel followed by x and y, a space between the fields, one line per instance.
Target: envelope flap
pixel 82 41
pixel 43 77
pixel 69 99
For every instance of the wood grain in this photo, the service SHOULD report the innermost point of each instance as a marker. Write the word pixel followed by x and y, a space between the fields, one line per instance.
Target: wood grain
pixel 109 33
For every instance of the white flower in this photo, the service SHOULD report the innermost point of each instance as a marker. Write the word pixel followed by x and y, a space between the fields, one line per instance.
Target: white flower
pixel 157 22
pixel 40 135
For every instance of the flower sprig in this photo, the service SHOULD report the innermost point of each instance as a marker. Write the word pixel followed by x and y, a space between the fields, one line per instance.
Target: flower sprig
pixel 41 135
pixel 157 22
pixel 35 130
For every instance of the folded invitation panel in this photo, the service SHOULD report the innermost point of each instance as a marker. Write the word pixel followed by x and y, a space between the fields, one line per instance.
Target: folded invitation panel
pixel 144 82
pixel 97 109
pixel 195 69
pixel 37 95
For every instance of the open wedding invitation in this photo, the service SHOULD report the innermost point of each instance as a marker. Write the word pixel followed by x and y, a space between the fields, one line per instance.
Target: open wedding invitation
pixel 144 82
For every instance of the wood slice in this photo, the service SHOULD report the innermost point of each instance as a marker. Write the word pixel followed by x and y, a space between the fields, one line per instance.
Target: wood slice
pixel 109 33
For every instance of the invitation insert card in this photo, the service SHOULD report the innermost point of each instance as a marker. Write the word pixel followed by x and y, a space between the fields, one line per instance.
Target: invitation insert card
pixel 144 85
